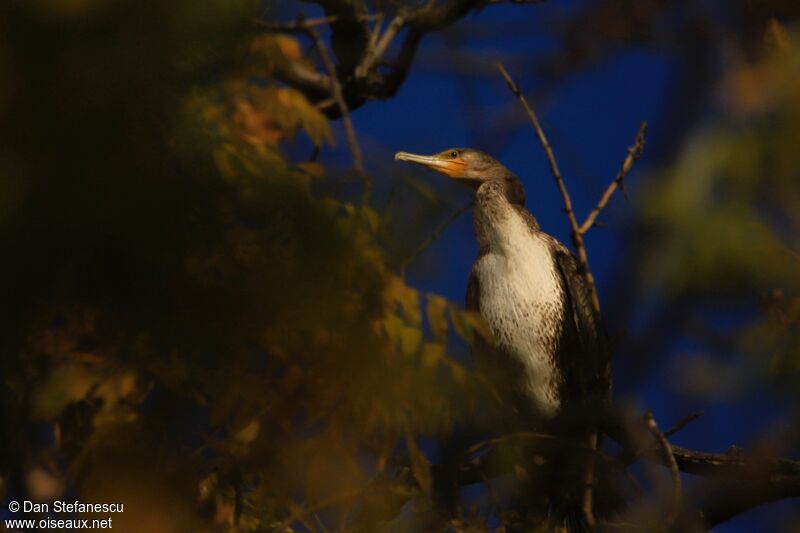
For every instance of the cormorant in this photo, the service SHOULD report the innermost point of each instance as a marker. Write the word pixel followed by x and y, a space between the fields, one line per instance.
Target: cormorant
pixel 550 349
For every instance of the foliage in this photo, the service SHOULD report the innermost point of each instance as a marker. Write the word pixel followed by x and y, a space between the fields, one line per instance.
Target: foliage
pixel 195 325
pixel 191 328
pixel 725 214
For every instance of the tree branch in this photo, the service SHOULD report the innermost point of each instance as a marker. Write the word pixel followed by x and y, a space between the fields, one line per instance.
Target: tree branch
pixel 435 235
pixel 634 152
pixel 575 233
pixel 733 498
pixel 669 459
pixel 362 80
pixel 735 484
pixel 375 54
pixel 350 132
pixel 682 423
pixel 732 464
pixel 583 260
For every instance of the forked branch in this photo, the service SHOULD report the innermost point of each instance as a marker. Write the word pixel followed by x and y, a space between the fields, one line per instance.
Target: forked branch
pixel 350 132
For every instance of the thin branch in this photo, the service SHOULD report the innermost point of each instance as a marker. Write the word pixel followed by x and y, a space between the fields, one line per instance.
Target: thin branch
pixel 350 132
pixel 548 149
pixel 362 80
pixel 669 458
pixel 586 273
pixel 736 482
pixel 297 26
pixel 682 423
pixel 634 152
pixel 435 235
pixel 632 453
pixel 532 435
pixel 587 499
pixel 301 25
pixel 375 54
pixel 577 236
pixel 732 464
pixel 375 34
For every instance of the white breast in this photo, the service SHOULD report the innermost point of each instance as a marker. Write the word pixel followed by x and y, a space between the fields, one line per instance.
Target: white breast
pixel 520 300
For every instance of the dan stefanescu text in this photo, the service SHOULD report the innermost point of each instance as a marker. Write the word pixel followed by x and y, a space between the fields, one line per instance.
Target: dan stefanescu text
pixel 60 506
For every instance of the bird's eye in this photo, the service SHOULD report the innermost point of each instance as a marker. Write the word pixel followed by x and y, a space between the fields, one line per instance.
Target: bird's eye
pixel 454 154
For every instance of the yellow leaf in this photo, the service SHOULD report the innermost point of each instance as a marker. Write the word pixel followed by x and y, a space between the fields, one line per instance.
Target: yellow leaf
pixel 66 384
pixel 289 47
pixel 468 323
pixel 393 326
pixel 373 218
pixel 476 322
pixel 419 463
pixel 410 340
pixel 436 316
pixel 312 168
pixel 776 36
pixel 309 117
pixel 118 387
pixel 398 292
pixel 432 353
pixel 459 374
pixel 248 433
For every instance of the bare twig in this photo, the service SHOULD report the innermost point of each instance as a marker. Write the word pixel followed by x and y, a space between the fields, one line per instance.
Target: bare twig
pixel 732 464
pixel 301 24
pixel 435 235
pixel 583 260
pixel 669 458
pixel 575 232
pixel 634 152
pixel 587 505
pixel 350 132
pixel 362 80
pixel 736 482
pixel 548 149
pixel 629 455
pixel 375 34
pixel 682 423
pixel 375 54
pixel 297 26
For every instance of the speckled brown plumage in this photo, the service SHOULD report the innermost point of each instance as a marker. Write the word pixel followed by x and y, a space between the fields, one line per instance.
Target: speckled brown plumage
pixel 549 345
pixel 549 350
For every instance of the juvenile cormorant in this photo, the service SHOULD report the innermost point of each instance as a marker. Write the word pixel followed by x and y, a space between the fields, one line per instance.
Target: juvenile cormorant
pixel 549 349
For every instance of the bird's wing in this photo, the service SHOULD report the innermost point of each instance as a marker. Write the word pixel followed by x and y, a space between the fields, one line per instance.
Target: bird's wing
pixel 595 364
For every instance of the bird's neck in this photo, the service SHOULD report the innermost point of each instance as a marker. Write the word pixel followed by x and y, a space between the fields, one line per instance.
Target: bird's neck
pixel 497 217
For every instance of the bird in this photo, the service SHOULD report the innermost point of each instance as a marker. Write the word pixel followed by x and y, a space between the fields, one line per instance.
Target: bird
pixel 549 352
pixel 529 289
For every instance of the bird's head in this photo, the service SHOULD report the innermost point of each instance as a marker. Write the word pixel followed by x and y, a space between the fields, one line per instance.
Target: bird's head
pixel 460 164
pixel 471 167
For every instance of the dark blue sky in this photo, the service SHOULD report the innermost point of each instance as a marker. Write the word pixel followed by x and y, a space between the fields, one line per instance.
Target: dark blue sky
pixel 590 118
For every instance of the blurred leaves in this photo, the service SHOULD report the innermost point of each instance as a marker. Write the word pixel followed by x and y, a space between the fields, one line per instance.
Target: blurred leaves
pixel 723 219
pixel 193 325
